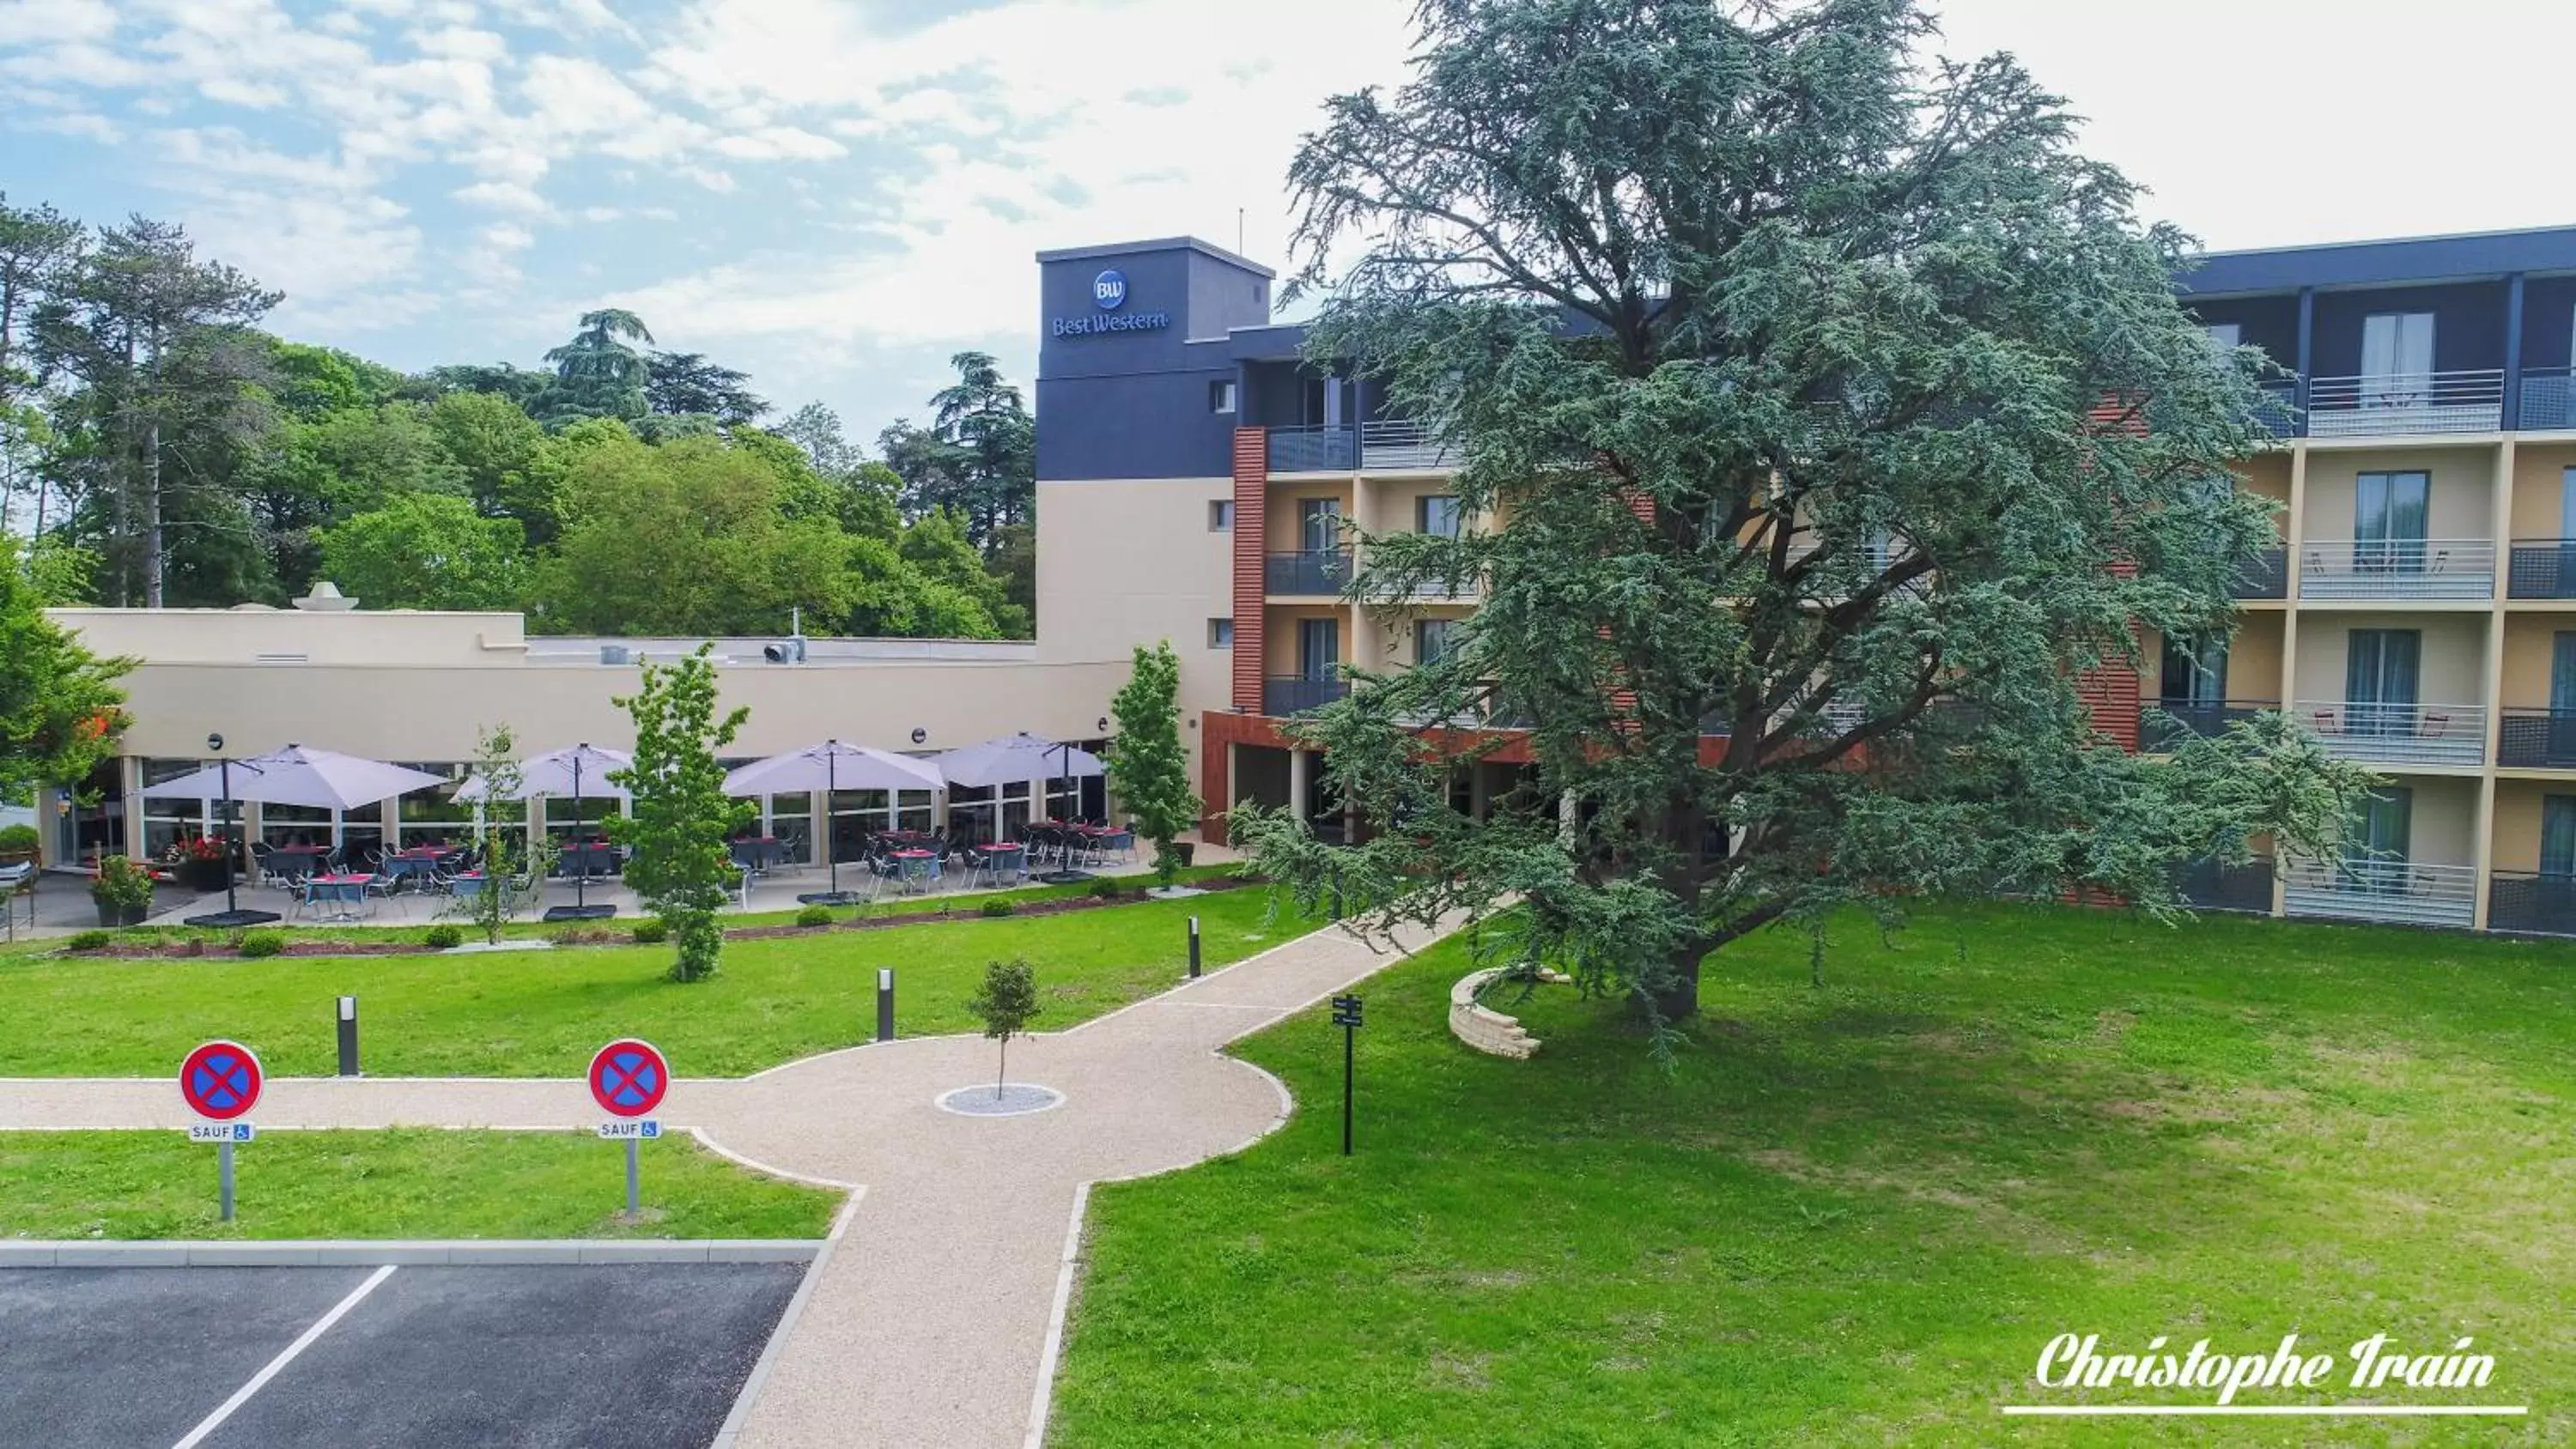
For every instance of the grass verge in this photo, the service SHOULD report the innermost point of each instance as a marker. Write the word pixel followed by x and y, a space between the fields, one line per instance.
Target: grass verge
pixel 1855 1215
pixel 543 1013
pixel 396 1183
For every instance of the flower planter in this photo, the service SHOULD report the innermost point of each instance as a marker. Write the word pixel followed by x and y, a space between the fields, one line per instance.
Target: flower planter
pixel 114 917
pixel 205 877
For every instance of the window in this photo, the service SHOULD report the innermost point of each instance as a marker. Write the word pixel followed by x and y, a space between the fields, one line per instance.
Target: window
pixel 1319 524
pixel 2194 676
pixel 2375 842
pixel 434 816
pixel 1319 648
pixel 1437 514
pixel 1221 516
pixel 169 819
pixel 2225 334
pixel 1221 396
pixel 2558 835
pixel 1220 633
pixel 2396 358
pixel 2381 671
pixel 2389 515
pixel 1433 639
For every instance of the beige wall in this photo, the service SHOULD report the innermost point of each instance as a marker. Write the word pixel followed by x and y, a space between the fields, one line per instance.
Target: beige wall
pixel 2517 822
pixel 1124 563
pixel 1393 628
pixel 2538 478
pixel 241 636
pixel 2453 655
pixel 2254 658
pixel 2462 493
pixel 2268 475
pixel 2529 645
pixel 1394 507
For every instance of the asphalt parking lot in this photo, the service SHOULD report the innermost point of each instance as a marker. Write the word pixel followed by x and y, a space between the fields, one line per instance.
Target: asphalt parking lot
pixel 638 1356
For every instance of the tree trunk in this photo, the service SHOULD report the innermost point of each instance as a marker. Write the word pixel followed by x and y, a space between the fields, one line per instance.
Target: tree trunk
pixel 152 557
pixel 1680 996
pixel 1002 1078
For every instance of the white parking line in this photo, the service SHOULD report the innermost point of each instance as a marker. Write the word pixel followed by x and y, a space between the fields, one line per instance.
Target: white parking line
pixel 321 1325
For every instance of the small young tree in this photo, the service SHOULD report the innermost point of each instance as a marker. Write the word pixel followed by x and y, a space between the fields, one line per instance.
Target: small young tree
pixel 681 816
pixel 1005 1003
pixel 60 707
pixel 1146 762
pixel 496 764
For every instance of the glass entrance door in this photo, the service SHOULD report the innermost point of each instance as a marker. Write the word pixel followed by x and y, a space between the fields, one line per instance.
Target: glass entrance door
pixel 2376 841
pixel 1319 648
pixel 2396 358
pixel 2390 511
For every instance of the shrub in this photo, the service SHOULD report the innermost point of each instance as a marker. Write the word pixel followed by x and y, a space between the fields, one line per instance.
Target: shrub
pixel 997 909
pixel 122 883
pixel 814 916
pixel 1107 888
pixel 87 941
pixel 17 840
pixel 256 944
pixel 651 933
pixel 445 938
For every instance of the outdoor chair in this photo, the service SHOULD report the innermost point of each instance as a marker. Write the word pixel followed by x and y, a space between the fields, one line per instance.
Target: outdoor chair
pixel 265 868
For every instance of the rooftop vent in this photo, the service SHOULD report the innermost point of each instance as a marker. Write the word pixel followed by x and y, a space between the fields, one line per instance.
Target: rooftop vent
pixel 612 654
pixel 790 650
pixel 325 599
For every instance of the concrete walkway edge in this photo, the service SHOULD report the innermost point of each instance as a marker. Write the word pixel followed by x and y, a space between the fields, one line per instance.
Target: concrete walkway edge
pixel 731 1430
pixel 430 1252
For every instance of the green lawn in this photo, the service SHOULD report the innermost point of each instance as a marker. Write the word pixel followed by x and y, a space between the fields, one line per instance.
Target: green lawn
pixel 1856 1215
pixel 545 1013
pixel 403 1183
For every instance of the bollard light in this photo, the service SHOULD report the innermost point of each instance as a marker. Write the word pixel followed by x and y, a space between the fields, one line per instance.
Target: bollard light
pixel 885 1003
pixel 349 1036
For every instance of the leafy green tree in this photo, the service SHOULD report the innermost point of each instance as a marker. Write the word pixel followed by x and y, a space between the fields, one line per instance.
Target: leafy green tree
pixel 1147 765
pixel 37 246
pixel 938 546
pixel 680 816
pixel 495 446
pixel 685 382
pixel 1818 389
pixel 60 708
pixel 309 382
pixel 1014 561
pixel 496 764
pixel 1005 1003
pixel 163 349
pixel 598 374
pixel 426 551
pixel 500 379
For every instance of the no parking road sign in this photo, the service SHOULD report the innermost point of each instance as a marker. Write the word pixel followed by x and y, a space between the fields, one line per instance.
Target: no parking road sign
pixel 220 1082
pixel 628 1079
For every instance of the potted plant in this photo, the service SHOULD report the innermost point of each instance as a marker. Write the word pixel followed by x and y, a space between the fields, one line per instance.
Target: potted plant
pixel 201 865
pixel 17 844
pixel 123 890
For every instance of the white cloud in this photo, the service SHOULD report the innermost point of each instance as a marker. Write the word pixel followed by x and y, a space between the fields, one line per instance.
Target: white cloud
pixel 778 143
pixel 502 196
pixel 86 124
pixel 506 237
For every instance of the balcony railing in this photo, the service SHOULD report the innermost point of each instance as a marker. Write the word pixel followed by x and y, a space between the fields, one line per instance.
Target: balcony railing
pixel 2402 892
pixel 1282 697
pixel 2189 720
pixel 2532 902
pixel 2414 402
pixel 2548 400
pixel 2398 568
pixel 2213 886
pixel 2277 412
pixel 1314 450
pixel 2543 568
pixel 1315 571
pixel 1399 444
pixel 2537 739
pixel 2264 576
pixel 2378 733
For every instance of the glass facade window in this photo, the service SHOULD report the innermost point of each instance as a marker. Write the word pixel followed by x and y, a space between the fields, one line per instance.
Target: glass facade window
pixel 169 819
pixel 1438 515
pixel 1220 633
pixel 563 818
pixel 856 815
pixel 1221 516
pixel 789 819
pixel 434 816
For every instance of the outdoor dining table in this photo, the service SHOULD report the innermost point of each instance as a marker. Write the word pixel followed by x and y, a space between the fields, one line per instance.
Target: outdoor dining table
pixel 466 886
pixel 589 860
pixel 757 852
pixel 417 862
pixel 916 866
pixel 1003 858
pixel 346 894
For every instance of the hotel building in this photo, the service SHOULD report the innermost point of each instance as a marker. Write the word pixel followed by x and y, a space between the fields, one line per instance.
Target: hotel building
pixel 1199 481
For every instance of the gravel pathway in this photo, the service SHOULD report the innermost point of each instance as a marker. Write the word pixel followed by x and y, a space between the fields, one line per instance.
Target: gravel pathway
pixel 935 1319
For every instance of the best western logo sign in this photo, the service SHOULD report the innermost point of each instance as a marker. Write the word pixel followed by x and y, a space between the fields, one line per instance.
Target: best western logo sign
pixel 1109 293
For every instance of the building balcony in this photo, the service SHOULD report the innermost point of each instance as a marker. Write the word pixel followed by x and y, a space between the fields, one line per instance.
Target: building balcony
pixel 2542 568
pixel 2537 739
pixel 2532 903
pixel 2376 733
pixel 1283 696
pixel 2397 892
pixel 2163 727
pixel 2469 401
pixel 1401 445
pixel 1314 450
pixel 2264 576
pixel 1314 572
pixel 2548 401
pixel 2212 886
pixel 2277 411
pixel 2398 568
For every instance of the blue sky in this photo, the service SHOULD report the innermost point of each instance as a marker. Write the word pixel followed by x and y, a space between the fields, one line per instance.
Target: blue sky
pixel 837 194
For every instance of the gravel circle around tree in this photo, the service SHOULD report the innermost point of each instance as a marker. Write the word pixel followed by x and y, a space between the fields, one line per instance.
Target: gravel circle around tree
pixel 1016 1099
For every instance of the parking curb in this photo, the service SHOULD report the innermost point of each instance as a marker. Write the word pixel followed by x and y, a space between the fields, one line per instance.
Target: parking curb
pixel 412 1253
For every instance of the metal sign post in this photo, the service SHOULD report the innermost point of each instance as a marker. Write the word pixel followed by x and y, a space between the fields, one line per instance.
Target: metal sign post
pixel 1346 1015
pixel 628 1079
pixel 220 1081
pixel 1194 948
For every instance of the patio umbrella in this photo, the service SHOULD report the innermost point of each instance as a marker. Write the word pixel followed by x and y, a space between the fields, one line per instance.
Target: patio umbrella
pixel 577 774
pixel 295 775
pixel 832 766
pixel 1022 756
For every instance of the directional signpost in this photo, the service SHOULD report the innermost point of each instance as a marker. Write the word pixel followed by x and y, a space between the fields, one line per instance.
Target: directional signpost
pixel 1346 1015
pixel 220 1082
pixel 628 1079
